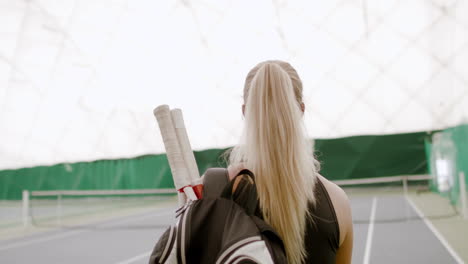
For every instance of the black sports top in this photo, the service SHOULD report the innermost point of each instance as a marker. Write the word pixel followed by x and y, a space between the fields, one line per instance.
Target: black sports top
pixel 322 238
pixel 322 235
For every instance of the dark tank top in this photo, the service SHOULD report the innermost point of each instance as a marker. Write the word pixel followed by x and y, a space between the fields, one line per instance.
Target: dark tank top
pixel 322 235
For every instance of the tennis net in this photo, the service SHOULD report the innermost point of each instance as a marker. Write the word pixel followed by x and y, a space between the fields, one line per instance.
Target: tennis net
pixel 92 208
pixel 88 209
pixel 390 199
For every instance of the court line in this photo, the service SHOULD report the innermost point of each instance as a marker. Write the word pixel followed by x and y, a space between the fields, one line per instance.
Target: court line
pixel 133 259
pixel 370 232
pixel 71 233
pixel 435 232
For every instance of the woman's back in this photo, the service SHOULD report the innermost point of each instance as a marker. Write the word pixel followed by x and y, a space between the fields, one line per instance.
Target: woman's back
pixel 322 237
pixel 329 236
pixel 323 241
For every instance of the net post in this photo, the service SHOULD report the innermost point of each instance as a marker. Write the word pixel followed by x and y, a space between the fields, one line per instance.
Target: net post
pixel 405 185
pixel 26 213
pixel 461 178
pixel 59 209
pixel 405 194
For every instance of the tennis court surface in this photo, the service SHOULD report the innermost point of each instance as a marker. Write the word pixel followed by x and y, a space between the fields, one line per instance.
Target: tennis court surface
pixel 390 226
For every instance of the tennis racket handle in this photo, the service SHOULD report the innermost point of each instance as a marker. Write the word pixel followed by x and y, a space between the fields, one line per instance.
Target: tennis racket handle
pixel 190 193
pixel 184 143
pixel 181 198
pixel 175 158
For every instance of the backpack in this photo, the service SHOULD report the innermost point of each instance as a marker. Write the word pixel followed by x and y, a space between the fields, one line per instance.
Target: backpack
pixel 222 227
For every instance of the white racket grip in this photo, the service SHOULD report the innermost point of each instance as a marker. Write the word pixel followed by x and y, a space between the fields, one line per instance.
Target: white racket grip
pixel 179 171
pixel 190 193
pixel 181 198
pixel 184 143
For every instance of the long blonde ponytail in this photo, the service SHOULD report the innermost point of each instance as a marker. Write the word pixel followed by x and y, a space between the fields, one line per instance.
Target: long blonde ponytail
pixel 275 147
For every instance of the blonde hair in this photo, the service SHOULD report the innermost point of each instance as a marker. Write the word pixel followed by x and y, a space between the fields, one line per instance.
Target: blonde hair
pixel 276 148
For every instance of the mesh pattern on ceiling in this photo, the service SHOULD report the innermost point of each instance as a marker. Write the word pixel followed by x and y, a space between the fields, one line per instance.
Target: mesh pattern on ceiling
pixel 78 79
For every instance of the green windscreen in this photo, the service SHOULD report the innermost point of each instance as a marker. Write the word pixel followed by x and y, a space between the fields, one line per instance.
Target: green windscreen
pixel 341 158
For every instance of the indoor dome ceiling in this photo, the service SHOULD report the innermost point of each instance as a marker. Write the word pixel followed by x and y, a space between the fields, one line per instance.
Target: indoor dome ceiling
pixel 79 79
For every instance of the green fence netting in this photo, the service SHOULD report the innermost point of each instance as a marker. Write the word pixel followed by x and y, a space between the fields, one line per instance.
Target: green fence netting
pixel 342 158
pixel 372 156
pixel 447 153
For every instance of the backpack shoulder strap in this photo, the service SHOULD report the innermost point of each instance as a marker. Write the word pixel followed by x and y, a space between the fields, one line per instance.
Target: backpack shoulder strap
pixel 214 181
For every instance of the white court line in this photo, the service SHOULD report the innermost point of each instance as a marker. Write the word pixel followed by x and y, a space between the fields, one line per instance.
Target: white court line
pixel 370 232
pixel 435 232
pixel 131 260
pixel 71 233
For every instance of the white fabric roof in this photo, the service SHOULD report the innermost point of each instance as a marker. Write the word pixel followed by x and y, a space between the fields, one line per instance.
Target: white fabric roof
pixel 79 79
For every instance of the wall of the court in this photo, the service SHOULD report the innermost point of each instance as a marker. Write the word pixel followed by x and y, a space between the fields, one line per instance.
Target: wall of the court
pixel 341 158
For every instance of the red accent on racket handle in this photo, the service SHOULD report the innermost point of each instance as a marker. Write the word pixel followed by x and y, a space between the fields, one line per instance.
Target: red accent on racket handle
pixel 181 190
pixel 198 190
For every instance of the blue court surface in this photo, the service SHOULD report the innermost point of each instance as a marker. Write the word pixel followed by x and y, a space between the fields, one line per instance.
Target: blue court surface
pixel 388 229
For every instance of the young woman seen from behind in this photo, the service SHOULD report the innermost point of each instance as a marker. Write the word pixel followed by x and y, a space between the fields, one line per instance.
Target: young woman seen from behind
pixel 311 214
